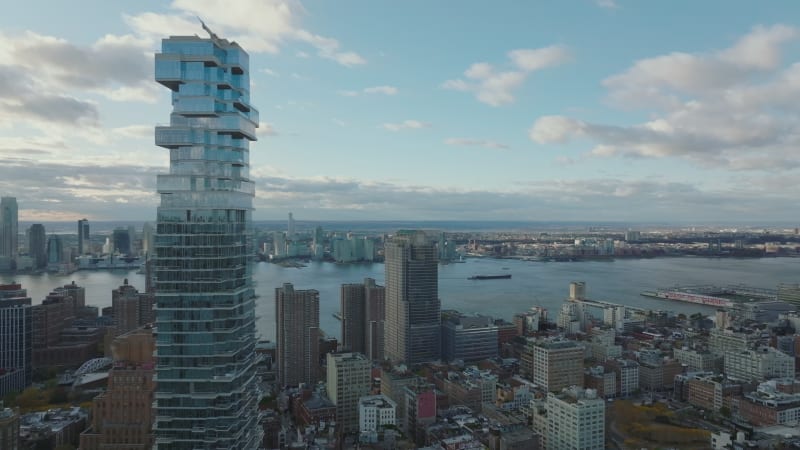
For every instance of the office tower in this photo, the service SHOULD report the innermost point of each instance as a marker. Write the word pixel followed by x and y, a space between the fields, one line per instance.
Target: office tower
pixel 84 246
pixel 37 245
pixel 575 419
pixel 413 308
pixel 9 221
pixel 55 249
pixel 555 364
pixel 16 328
pixel 122 241
pixel 348 381
pixel 206 380
pixel 278 244
pixel 290 228
pixel 298 333
pixel 468 338
pixel 122 415
pixel 374 319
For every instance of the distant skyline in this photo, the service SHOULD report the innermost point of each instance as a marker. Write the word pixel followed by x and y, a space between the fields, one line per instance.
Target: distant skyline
pixel 585 111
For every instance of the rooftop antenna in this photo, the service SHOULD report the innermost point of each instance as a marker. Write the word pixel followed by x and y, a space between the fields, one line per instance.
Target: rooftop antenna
pixel 208 30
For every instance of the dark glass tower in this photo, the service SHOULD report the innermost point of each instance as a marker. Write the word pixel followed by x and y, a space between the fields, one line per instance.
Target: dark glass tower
pixel 413 308
pixel 206 395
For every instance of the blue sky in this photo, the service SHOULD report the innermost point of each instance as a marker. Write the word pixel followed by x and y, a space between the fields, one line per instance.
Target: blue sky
pixel 604 110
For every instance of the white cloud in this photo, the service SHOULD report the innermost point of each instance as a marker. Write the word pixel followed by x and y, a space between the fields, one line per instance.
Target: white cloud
pixel 269 72
pixel 135 131
pixel 497 88
pixel 385 90
pixel 610 4
pixel 734 109
pixel 406 125
pixel 259 25
pixel 266 129
pixel 466 142
pixel 302 55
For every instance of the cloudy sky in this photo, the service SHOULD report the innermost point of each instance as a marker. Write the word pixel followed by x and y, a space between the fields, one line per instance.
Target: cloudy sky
pixel 585 110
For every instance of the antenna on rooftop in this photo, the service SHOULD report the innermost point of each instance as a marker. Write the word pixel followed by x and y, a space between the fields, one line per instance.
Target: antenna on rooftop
pixel 208 30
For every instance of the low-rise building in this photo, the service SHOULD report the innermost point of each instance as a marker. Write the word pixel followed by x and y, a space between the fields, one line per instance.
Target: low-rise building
pixel 759 364
pixel 768 406
pixel 712 392
pixel 698 361
pixel 375 412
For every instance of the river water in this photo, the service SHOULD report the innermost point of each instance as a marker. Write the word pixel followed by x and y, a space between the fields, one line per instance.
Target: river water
pixel 533 283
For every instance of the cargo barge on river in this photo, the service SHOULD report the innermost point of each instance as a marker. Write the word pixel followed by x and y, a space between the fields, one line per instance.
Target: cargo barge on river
pixel 490 277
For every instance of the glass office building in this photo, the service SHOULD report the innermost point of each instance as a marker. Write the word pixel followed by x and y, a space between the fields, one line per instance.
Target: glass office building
pixel 206 396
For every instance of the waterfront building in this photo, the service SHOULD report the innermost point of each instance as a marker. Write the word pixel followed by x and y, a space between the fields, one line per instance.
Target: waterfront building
pixel 290 229
pixel 122 414
pixel 789 293
pixel 9 223
pixel 468 338
pixel 413 308
pixel 348 380
pixel 84 244
pixel 16 329
pixel 298 335
pixel 278 244
pixel 206 376
pixel 554 364
pixel 37 245
pixel 759 364
pixel 9 428
pixel 577 290
pixel 148 243
pixel 575 419
pixel 55 251
pixel 376 412
pixel 122 241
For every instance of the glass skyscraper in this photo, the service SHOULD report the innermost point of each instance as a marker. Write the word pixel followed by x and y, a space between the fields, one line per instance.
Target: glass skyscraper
pixel 206 396
pixel 9 244
pixel 413 309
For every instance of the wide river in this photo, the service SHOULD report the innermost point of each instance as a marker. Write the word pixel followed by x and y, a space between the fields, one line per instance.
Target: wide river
pixel 532 283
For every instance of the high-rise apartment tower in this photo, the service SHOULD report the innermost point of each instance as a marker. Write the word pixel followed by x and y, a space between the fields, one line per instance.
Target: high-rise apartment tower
pixel 83 237
pixel 9 221
pixel 413 309
pixel 205 315
pixel 298 333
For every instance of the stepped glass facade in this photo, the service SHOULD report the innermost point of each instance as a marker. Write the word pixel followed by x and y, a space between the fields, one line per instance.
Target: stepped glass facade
pixel 206 396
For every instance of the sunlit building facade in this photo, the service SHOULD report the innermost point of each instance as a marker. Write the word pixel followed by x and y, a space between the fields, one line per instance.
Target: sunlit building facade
pixel 206 394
